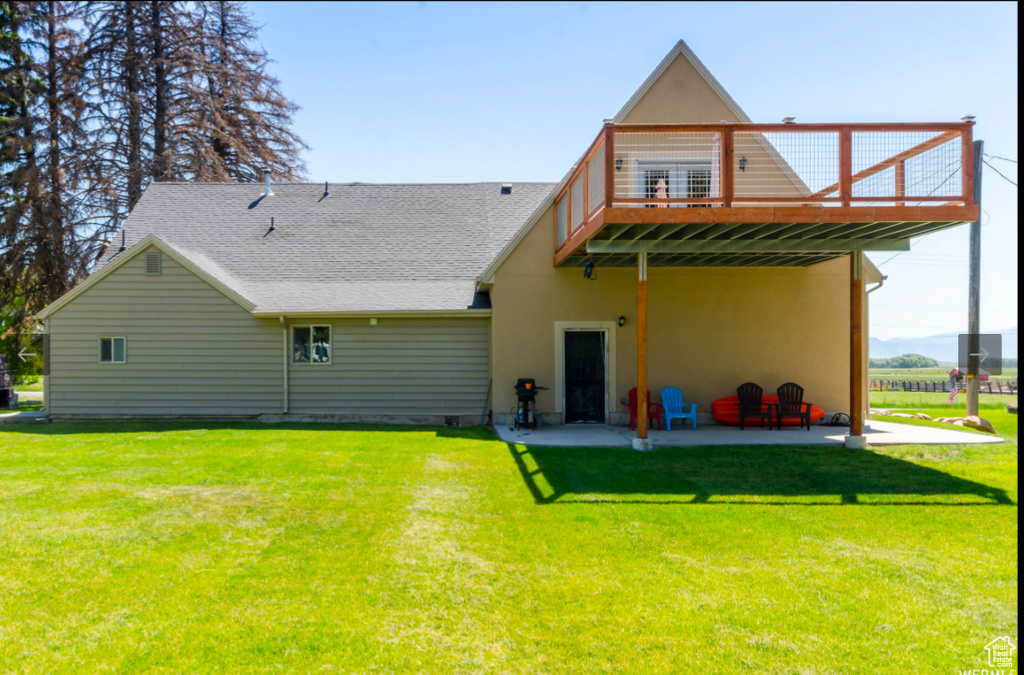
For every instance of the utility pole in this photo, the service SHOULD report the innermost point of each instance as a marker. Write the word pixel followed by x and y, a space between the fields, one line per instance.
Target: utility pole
pixel 974 290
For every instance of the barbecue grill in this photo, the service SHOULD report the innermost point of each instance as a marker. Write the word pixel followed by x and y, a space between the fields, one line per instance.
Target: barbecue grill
pixel 526 392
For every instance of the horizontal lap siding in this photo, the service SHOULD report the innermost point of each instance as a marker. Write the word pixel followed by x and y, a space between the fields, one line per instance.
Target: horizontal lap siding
pixel 190 350
pixel 398 367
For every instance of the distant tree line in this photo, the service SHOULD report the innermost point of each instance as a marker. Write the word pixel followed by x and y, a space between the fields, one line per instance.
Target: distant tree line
pixel 99 98
pixel 904 361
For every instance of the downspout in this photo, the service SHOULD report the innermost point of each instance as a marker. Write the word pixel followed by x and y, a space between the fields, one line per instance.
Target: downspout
pixel 880 283
pixel 284 362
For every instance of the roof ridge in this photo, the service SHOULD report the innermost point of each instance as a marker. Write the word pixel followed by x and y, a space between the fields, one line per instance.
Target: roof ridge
pixel 347 184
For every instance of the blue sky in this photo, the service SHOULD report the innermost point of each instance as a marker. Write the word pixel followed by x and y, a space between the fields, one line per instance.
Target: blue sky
pixel 436 92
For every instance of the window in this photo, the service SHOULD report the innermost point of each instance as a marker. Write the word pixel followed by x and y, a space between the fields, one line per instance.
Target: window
pixel 112 350
pixel 311 344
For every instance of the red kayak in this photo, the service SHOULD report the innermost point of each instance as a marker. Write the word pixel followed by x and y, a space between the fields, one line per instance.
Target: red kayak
pixel 725 411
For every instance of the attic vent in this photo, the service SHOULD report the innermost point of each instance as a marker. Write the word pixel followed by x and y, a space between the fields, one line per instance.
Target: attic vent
pixel 506 188
pixel 153 262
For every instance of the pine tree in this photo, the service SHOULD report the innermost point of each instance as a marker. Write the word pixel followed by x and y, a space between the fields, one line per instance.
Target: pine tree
pixel 99 98
pixel 244 120
pixel 21 209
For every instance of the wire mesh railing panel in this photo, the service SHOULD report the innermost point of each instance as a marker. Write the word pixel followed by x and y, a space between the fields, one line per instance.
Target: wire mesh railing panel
pixel 563 220
pixel 576 206
pixel 913 167
pixel 595 180
pixel 786 166
pixel 656 166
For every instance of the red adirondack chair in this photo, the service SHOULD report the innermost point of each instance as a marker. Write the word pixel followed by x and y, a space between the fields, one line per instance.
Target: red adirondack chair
pixel 654 410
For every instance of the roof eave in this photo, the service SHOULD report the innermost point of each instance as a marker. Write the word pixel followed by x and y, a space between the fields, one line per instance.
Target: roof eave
pixel 370 314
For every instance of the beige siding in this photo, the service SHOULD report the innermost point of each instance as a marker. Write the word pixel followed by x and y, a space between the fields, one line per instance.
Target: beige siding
pixel 403 367
pixel 190 350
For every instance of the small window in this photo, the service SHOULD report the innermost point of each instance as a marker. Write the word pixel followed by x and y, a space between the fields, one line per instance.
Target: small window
pixel 112 350
pixel 153 263
pixel 311 344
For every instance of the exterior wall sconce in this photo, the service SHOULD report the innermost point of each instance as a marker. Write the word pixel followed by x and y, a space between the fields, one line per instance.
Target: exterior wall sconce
pixel 622 321
pixel 588 270
pixel 743 163
pixel 618 164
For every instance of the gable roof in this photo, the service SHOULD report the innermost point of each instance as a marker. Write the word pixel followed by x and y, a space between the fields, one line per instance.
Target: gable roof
pixel 199 265
pixel 681 49
pixel 356 248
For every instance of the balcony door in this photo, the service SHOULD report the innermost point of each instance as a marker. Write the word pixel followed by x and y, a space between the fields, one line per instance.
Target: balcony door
pixel 676 180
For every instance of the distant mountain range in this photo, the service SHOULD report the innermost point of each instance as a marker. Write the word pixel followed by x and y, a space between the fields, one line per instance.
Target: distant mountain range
pixel 942 348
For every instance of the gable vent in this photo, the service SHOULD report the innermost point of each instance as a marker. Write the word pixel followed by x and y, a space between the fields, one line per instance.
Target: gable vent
pixel 153 262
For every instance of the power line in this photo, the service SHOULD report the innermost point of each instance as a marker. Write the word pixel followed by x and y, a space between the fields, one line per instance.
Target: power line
pixel 999 172
pixel 1005 159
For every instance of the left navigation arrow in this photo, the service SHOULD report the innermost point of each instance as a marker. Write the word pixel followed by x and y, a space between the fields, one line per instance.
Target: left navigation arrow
pixel 22 354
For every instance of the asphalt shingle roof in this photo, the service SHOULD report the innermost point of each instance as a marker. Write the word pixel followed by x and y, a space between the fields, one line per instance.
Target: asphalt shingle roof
pixel 360 247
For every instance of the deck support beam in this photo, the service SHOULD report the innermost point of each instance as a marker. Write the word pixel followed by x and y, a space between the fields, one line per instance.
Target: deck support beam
pixel 745 245
pixel 641 441
pixel 857 394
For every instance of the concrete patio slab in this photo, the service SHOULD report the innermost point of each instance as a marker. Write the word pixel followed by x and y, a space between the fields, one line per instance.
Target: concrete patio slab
pixel 24 417
pixel 877 433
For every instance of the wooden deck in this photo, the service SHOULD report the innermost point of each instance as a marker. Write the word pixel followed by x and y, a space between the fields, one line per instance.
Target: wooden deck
pixel 761 195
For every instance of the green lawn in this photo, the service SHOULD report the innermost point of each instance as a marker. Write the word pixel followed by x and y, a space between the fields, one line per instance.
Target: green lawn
pixel 192 547
pixel 940 373
pixel 34 386
pixel 936 399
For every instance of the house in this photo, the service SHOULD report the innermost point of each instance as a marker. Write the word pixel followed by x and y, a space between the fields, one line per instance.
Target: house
pixel 688 246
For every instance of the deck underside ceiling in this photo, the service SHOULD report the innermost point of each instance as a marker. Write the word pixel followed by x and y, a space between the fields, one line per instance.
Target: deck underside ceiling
pixel 763 244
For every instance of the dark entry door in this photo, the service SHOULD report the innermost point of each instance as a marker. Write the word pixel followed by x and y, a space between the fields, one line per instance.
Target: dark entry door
pixel 584 376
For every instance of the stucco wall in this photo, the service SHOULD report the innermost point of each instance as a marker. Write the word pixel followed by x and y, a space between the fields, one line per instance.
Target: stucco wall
pixel 710 329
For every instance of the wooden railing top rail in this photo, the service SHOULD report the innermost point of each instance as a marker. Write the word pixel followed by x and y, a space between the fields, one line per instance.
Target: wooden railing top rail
pixel 947 131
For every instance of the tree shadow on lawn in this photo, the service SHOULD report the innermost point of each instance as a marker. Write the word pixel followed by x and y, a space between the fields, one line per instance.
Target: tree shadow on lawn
pixel 740 474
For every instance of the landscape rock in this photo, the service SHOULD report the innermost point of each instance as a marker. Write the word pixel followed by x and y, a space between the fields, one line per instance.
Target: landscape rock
pixel 904 415
pixel 922 416
pixel 1011 408
pixel 979 423
pixel 958 422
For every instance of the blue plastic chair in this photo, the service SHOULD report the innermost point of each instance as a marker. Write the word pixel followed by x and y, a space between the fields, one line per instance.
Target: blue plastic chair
pixel 672 400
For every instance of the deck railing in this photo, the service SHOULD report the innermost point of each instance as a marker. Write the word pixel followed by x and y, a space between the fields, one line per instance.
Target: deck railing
pixel 729 165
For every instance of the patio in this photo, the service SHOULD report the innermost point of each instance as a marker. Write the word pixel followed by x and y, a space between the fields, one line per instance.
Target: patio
pixel 602 435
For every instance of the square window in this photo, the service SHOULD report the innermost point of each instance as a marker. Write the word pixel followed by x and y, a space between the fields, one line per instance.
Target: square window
pixel 112 350
pixel 311 344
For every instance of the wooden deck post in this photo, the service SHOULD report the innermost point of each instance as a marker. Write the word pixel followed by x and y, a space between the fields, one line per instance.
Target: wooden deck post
pixel 641 346
pixel 856 350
